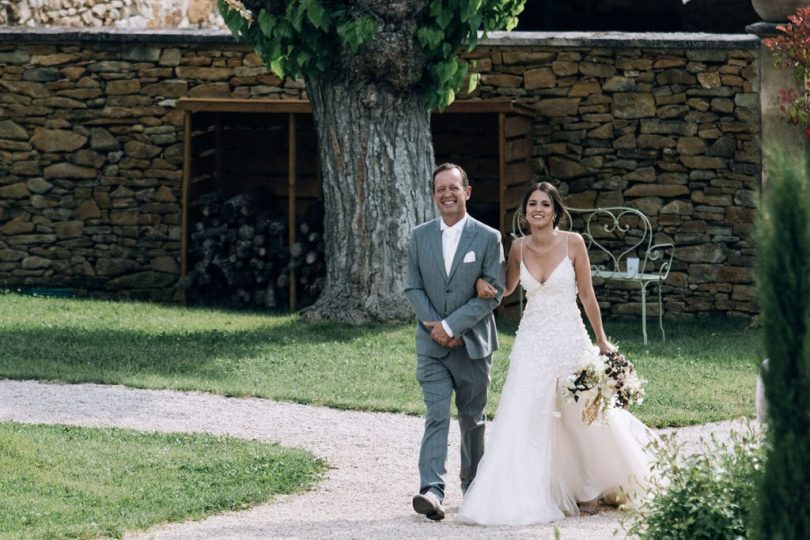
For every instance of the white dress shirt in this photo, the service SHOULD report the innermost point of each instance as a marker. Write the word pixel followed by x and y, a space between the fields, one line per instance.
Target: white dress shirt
pixel 450 239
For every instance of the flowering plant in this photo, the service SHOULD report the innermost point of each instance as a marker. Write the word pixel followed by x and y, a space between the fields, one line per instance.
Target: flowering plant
pixel 792 51
pixel 608 381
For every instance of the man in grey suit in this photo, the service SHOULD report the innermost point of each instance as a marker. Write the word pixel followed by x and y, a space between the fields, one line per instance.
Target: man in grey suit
pixel 455 333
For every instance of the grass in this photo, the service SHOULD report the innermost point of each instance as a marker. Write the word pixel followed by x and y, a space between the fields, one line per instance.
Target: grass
pixel 70 482
pixel 704 372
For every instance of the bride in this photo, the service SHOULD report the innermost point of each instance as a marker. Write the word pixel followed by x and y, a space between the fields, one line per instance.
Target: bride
pixel 542 462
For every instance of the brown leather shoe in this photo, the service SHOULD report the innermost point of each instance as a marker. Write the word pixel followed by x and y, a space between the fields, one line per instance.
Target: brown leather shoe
pixel 590 508
pixel 428 504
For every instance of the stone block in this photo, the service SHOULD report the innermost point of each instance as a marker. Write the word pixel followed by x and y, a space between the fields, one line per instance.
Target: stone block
pixel 676 76
pixel 16 226
pixel 703 162
pixel 527 57
pixel 35 263
pixel 39 185
pixel 709 80
pixel 633 105
pixel 114 267
pixel 87 210
pixel 124 217
pixel 139 150
pixel 656 190
pixel 643 174
pixel 691 146
pixel 68 170
pixel 668 127
pixel 503 80
pixel 701 253
pixel 140 280
pixel 57 140
pixel 558 106
pixel 14 191
pixel 9 129
pixel 678 207
pixel 68 229
pixel 164 264
pixel 591 68
pixel 565 69
pixel 41 74
pixel 204 73
pixel 565 168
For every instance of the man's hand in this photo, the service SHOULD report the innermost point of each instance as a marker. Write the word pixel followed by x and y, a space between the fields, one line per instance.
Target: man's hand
pixel 441 337
pixel 484 289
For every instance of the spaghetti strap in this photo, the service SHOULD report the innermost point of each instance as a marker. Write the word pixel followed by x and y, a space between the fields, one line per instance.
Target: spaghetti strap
pixel 521 249
pixel 567 236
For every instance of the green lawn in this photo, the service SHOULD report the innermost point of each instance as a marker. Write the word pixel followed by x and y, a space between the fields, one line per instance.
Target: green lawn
pixel 704 372
pixel 70 482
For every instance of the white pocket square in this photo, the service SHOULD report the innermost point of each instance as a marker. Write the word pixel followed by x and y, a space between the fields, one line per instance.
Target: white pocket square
pixel 469 257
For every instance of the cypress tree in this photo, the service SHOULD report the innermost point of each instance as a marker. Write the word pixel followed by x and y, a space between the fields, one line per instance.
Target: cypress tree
pixel 783 282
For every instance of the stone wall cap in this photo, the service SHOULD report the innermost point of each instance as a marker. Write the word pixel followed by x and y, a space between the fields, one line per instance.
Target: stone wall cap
pixel 65 34
pixel 764 29
pixel 57 34
pixel 634 40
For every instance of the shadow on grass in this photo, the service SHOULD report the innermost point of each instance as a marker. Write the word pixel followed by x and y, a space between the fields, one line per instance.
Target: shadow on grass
pixel 66 350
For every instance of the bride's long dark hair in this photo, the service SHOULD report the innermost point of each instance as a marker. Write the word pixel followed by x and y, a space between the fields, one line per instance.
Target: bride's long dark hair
pixel 553 194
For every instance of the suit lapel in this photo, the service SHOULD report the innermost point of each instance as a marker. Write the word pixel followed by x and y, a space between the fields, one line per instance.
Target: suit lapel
pixel 435 241
pixel 464 242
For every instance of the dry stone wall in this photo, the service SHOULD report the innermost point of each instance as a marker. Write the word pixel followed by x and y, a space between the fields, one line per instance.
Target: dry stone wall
pixel 106 13
pixel 669 126
pixel 92 155
pixel 91 148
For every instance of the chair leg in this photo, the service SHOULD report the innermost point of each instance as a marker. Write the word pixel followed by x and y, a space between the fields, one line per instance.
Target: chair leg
pixel 644 311
pixel 661 312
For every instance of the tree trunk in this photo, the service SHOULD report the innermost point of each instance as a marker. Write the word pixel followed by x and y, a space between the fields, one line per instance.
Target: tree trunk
pixel 376 160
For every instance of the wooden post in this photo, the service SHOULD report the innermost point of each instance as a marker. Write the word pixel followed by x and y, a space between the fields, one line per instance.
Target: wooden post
pixel 218 149
pixel 502 172
pixel 291 181
pixel 186 190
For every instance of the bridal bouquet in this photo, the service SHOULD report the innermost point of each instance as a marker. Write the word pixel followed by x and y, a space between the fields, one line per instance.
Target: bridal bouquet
pixel 609 381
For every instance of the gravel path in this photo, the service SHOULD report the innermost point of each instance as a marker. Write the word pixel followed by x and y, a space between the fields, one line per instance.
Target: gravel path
pixel 366 493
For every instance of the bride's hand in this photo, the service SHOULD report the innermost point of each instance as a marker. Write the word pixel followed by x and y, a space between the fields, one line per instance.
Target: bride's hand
pixel 485 289
pixel 606 347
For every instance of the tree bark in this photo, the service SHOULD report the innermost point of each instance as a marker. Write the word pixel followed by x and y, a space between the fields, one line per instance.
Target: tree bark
pixel 376 161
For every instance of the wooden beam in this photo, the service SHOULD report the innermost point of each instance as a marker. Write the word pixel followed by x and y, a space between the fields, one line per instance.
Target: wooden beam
pixel 302 106
pixel 291 181
pixel 185 195
pixel 502 172
pixel 244 105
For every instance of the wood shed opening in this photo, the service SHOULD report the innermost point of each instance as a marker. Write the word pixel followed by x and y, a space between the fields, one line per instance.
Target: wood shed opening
pixel 252 193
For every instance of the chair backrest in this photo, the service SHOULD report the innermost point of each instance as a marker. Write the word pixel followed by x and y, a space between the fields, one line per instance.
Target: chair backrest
pixel 614 236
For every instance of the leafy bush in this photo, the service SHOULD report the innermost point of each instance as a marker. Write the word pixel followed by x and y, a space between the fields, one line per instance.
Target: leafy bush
pixel 783 283
pixel 705 495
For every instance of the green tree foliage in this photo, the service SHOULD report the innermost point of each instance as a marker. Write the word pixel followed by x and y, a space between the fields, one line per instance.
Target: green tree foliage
pixel 783 277
pixel 298 38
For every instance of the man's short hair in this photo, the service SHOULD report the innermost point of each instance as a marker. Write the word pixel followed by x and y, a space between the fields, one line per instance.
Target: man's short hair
pixel 446 167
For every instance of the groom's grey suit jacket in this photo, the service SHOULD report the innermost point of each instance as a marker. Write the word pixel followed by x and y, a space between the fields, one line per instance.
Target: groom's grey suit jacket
pixel 435 296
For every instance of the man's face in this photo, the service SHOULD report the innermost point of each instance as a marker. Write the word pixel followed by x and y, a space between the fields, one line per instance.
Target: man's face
pixel 450 195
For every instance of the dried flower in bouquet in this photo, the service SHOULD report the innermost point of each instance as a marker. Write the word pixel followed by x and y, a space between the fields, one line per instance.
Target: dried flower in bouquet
pixel 608 381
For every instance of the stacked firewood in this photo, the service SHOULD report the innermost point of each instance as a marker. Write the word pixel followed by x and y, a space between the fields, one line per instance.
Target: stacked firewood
pixel 239 254
pixel 307 256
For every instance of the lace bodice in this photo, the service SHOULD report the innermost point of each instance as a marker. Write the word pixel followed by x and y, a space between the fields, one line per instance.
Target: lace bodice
pixel 552 318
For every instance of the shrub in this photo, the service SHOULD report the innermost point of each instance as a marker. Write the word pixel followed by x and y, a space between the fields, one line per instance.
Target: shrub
pixel 705 495
pixel 783 279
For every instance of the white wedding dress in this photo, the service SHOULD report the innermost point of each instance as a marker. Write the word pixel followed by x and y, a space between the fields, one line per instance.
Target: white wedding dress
pixel 541 459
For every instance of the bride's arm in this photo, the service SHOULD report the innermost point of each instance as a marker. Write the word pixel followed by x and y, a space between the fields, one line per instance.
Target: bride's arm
pixel 485 290
pixel 513 268
pixel 582 267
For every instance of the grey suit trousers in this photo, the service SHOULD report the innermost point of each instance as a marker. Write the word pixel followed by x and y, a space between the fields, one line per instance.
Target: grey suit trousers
pixel 439 377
